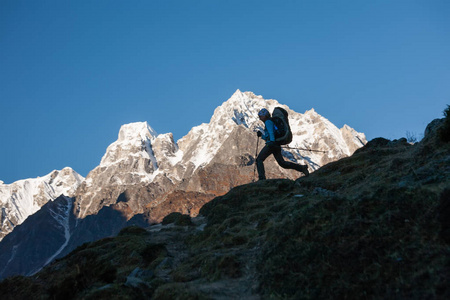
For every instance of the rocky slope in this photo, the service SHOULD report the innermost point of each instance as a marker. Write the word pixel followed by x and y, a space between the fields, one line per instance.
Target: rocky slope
pixel 23 198
pixel 373 225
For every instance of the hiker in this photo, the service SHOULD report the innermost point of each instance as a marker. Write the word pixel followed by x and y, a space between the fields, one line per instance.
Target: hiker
pixel 273 147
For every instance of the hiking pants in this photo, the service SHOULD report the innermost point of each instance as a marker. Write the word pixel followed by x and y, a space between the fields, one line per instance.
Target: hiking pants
pixel 276 151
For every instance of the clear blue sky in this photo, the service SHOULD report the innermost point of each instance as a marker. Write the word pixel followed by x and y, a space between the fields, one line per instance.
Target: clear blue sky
pixel 72 72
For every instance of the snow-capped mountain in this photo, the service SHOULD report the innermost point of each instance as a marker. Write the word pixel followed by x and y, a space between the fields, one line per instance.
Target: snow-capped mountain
pixel 310 131
pixel 142 158
pixel 137 157
pixel 23 198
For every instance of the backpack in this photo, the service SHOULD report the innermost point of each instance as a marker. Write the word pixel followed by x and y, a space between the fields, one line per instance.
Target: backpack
pixel 283 133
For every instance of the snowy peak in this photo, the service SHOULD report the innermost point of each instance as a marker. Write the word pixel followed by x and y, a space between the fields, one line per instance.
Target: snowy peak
pixel 44 188
pixel 135 158
pixel 241 109
pixel 23 198
pixel 64 182
pixel 244 96
pixel 136 131
pixel 134 139
pixel 201 144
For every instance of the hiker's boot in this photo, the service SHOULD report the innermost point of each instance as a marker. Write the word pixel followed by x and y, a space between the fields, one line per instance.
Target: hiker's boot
pixel 304 170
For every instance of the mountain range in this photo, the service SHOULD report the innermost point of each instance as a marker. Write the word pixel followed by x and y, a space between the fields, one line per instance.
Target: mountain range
pixel 144 176
pixel 374 225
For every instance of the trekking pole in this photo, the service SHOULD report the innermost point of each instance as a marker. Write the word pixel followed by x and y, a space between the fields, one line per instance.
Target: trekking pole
pixel 305 149
pixel 256 154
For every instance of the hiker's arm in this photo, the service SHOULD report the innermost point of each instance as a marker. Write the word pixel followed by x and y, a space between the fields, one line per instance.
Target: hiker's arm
pixel 270 131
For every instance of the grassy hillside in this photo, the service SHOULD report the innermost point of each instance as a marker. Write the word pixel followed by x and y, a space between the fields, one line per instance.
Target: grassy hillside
pixel 374 225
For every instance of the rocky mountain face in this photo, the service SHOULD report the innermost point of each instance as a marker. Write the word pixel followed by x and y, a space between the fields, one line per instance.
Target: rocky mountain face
pixel 23 198
pixel 373 225
pixel 127 163
pixel 144 176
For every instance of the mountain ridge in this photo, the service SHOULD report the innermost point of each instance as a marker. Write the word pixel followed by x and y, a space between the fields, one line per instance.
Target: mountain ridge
pixel 147 161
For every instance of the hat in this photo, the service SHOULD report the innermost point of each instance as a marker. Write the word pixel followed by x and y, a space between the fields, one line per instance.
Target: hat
pixel 264 112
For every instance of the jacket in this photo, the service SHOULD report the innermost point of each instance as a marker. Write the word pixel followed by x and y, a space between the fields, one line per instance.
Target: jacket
pixel 269 132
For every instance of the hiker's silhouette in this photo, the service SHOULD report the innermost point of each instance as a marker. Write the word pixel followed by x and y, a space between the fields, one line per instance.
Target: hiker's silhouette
pixel 273 147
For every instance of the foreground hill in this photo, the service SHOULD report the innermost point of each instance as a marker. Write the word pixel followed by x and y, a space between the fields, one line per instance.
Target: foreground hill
pixel 373 225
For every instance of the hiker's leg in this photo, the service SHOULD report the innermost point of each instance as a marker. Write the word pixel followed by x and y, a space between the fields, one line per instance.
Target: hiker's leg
pixel 288 164
pixel 265 152
pixel 280 160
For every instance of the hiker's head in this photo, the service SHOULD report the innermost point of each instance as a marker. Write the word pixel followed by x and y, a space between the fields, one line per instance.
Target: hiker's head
pixel 264 114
